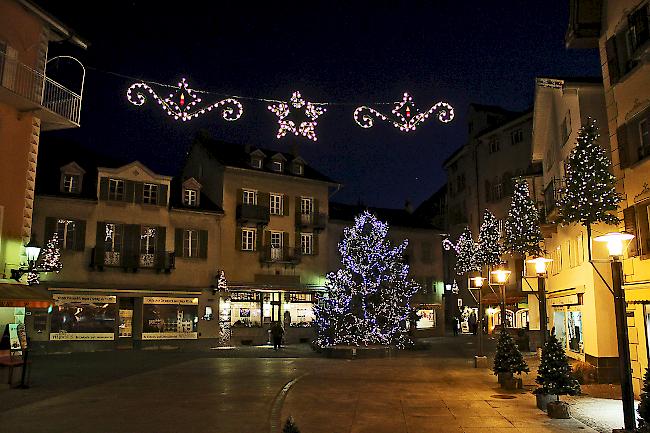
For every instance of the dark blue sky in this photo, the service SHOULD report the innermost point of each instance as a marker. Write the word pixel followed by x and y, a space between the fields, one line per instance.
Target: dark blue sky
pixel 458 51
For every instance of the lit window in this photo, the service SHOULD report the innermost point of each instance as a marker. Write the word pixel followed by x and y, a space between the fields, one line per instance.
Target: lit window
pixel 298 169
pixel 189 197
pixel 306 205
pixel 190 243
pixel 248 237
pixel 71 183
pixel 249 197
pixel 65 230
pixel 307 243
pixel 256 163
pixel 276 204
pixel 116 189
pixel 277 165
pixel 150 194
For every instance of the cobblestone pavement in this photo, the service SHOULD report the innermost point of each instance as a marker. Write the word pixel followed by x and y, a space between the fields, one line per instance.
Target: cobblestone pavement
pixel 254 389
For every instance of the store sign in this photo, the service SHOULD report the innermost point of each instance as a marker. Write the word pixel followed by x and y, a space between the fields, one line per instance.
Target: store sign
pixel 169 335
pixel 161 300
pixel 83 299
pixel 83 317
pixel 565 300
pixel 80 336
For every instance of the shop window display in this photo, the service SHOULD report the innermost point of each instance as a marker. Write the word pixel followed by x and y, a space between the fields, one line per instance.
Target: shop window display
pixel 83 317
pixel 559 324
pixel 574 331
pixel 245 309
pixel 169 318
pixel 426 319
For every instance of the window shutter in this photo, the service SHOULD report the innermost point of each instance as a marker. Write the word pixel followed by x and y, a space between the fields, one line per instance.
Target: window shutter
pixel 612 60
pixel 264 199
pixel 50 228
pixel 519 271
pixel 100 239
pixel 131 246
pixel 285 205
pixel 316 207
pixel 315 246
pixel 203 244
pixel 639 19
pixel 138 192
pixel 487 191
pixel 80 235
pixel 297 244
pixel 238 239
pixel 103 188
pixel 267 238
pixel 129 191
pixel 623 152
pixel 240 196
pixel 629 218
pixel 161 238
pixel 178 242
pixel 162 195
pixel 285 240
pixel 297 209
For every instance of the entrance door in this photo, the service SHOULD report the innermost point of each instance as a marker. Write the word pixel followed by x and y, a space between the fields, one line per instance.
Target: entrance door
pixel 276 246
pixel 125 331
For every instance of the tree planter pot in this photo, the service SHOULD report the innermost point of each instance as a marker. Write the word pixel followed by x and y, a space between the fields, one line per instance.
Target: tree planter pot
pixel 558 410
pixel 544 399
pixel 502 377
pixel 512 383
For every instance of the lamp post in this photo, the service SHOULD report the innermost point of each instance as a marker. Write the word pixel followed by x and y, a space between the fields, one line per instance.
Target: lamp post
pixel 540 270
pixel 615 246
pixel 32 251
pixel 480 359
pixel 501 276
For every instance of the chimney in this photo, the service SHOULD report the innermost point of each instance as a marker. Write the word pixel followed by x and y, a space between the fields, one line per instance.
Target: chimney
pixel 294 149
pixel 408 207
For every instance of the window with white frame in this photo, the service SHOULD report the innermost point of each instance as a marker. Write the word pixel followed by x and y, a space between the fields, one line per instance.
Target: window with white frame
pixel 249 197
pixel 148 237
pixel 190 243
pixel 248 238
pixel 65 230
pixel 307 243
pixel 306 205
pixel 494 144
pixel 256 162
pixel 298 168
pixel 276 165
pixel 644 138
pixel 189 197
pixel 276 204
pixel 113 243
pixel 516 136
pixel 276 245
pixel 150 193
pixel 116 189
pixel 71 183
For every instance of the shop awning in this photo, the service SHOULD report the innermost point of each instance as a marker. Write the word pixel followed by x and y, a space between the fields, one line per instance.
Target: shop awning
pixel 20 295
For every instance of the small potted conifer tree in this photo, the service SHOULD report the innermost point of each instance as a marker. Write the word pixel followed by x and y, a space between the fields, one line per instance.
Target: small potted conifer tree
pixel 508 361
pixel 290 426
pixel 555 379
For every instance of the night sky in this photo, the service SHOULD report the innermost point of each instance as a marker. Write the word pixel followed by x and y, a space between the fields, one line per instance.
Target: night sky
pixel 351 52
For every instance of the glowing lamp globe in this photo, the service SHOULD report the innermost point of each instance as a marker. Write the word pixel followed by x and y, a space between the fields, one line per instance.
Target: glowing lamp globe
pixel 501 275
pixel 32 250
pixel 478 282
pixel 540 264
pixel 616 242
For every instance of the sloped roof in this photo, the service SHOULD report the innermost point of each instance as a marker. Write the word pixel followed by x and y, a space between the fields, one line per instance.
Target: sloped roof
pixel 394 217
pixel 176 199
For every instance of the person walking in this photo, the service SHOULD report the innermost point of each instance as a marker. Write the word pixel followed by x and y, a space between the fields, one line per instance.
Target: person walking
pixel 472 323
pixel 456 325
pixel 276 334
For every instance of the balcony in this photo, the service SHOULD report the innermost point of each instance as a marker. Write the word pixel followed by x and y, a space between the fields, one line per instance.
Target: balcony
pixel 316 221
pixel 584 24
pixel 252 213
pixel 29 90
pixel 160 261
pixel 283 255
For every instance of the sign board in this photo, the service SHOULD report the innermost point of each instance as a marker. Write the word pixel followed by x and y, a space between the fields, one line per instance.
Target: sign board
pixel 161 300
pixel 83 317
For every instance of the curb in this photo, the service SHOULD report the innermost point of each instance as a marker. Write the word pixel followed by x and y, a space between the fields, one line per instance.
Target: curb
pixel 275 421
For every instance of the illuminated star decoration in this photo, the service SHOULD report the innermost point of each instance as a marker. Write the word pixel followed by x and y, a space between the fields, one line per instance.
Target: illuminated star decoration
pixel 306 128
pixel 406 116
pixel 182 104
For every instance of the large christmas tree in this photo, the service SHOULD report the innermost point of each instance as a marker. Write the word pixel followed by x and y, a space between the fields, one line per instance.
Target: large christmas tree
pixel 49 261
pixel 367 299
pixel 465 249
pixel 489 249
pixel 590 193
pixel 508 358
pixel 554 373
pixel 522 233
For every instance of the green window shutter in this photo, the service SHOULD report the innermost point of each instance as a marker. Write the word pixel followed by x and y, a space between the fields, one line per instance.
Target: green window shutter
pixel 316 207
pixel 138 192
pixel 103 188
pixel 131 246
pixel 264 200
pixel 100 239
pixel 623 151
pixel 161 239
pixel 315 247
pixel 296 243
pixel 238 240
pixel 240 196
pixel 178 242
pixel 267 240
pixel 129 191
pixel 162 195
pixel 80 235
pixel 50 228
pixel 203 244
pixel 629 218
pixel 285 205
pixel 612 60
pixel 285 240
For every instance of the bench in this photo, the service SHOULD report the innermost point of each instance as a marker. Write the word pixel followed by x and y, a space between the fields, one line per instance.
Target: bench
pixel 11 362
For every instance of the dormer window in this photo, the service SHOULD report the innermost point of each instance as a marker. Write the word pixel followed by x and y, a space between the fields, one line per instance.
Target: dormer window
pixel 256 162
pixel 71 178
pixel 71 183
pixel 189 197
pixel 298 166
pixel 276 166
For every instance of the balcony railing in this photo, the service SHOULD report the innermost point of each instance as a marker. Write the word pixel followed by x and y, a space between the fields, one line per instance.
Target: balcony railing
pixel 552 194
pixel 284 255
pixel 161 261
pixel 311 220
pixel 36 89
pixel 253 213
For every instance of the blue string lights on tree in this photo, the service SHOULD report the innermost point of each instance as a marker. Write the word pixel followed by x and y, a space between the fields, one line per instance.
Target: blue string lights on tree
pixel 368 299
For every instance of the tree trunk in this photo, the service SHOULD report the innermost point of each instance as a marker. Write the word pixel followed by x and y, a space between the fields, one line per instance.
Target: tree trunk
pixel 589 240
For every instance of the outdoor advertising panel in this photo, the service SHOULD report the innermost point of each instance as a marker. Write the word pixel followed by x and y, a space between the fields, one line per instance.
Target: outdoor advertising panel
pixel 83 317
pixel 169 318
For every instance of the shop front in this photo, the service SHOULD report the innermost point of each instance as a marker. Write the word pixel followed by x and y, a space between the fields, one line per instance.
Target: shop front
pixel 567 324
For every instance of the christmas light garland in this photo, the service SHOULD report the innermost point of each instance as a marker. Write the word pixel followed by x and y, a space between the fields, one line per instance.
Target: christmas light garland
pixel 306 128
pixel 406 114
pixel 180 106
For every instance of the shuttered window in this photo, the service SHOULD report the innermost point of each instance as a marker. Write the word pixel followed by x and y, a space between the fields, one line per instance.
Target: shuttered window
pixel 116 189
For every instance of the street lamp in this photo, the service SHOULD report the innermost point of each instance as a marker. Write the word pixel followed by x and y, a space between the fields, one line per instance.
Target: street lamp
pixel 32 251
pixel 616 243
pixel 540 270
pixel 501 276
pixel 480 359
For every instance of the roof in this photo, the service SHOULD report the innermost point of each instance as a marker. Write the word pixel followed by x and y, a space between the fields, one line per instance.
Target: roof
pixel 456 153
pixel 490 108
pixel 394 217
pixel 66 32
pixel 513 117
pixel 434 206
pixel 238 156
pixel 176 199
pixel 575 79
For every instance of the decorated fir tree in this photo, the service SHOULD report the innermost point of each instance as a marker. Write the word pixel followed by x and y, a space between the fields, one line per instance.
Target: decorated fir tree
pixel 508 358
pixel 488 252
pixel 590 195
pixel 522 233
pixel 465 249
pixel 49 261
pixel 554 373
pixel 644 405
pixel 368 299
pixel 290 426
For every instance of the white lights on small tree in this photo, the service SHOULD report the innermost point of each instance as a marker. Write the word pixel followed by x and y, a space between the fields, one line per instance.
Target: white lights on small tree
pixel 406 116
pixel 305 128
pixel 489 249
pixel 182 105
pixel 49 261
pixel 225 332
pixel 522 233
